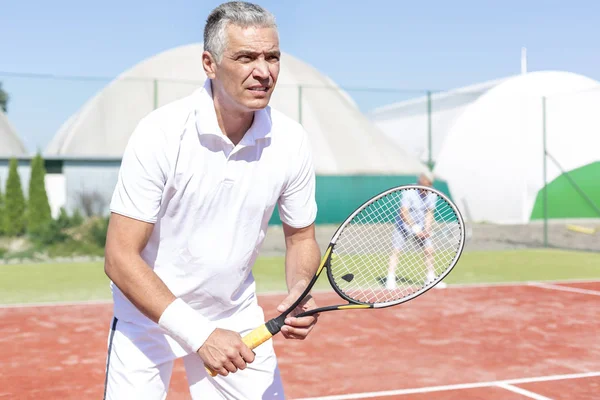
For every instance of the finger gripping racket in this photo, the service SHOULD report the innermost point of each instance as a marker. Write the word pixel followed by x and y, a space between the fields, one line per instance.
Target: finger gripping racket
pixel 374 261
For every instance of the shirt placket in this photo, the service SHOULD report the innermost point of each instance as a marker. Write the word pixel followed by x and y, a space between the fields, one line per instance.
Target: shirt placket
pixel 231 166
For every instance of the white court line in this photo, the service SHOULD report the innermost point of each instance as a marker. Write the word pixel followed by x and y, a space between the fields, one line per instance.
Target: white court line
pixel 57 304
pixel 321 291
pixel 520 283
pixel 523 392
pixel 109 301
pixel 454 387
pixel 550 286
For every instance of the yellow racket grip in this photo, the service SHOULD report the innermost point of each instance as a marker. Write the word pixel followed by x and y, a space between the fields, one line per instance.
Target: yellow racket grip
pixel 257 337
pixel 254 339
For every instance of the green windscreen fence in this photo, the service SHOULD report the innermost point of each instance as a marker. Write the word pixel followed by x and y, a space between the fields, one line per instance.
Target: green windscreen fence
pixel 575 194
pixel 338 196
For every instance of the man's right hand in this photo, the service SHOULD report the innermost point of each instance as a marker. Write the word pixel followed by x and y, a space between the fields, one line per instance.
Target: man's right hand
pixel 225 352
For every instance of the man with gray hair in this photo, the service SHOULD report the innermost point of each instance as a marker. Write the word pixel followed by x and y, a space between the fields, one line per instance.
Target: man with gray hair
pixel 199 181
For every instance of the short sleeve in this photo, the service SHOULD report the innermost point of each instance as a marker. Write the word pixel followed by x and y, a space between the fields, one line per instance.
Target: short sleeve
pixel 408 199
pixel 297 203
pixel 143 173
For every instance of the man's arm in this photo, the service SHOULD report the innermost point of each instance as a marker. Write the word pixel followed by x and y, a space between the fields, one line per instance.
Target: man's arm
pixel 222 350
pixel 298 211
pixel 303 255
pixel 125 267
pixel 302 260
pixel 405 215
pixel 430 203
pixel 428 223
pixel 408 201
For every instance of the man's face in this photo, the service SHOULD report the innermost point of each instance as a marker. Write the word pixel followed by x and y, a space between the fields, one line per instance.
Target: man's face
pixel 246 76
pixel 424 181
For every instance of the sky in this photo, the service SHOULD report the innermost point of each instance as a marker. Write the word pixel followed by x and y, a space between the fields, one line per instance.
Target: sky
pixel 405 45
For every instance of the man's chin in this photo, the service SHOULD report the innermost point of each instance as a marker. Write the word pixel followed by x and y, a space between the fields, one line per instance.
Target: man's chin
pixel 256 104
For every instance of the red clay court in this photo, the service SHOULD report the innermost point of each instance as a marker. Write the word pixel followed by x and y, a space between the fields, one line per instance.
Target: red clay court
pixel 528 341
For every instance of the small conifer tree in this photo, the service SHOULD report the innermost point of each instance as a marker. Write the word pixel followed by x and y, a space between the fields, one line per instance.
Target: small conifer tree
pixel 14 202
pixel 38 207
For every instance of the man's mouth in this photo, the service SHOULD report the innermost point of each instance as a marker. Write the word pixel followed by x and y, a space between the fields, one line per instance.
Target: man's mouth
pixel 259 89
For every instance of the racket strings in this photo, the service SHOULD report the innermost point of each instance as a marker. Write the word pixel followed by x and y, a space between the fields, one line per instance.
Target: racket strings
pixel 370 247
pixel 376 247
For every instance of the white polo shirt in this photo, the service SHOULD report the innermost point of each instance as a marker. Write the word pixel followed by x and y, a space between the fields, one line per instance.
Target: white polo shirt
pixel 418 206
pixel 211 202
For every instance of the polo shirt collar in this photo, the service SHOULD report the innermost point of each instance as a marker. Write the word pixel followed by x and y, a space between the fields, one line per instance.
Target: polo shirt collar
pixel 207 124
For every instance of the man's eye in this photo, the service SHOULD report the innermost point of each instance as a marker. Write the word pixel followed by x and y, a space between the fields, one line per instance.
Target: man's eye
pixel 244 58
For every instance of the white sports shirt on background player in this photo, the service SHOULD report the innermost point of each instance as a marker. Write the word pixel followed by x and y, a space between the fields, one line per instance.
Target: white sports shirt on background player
pixel 417 205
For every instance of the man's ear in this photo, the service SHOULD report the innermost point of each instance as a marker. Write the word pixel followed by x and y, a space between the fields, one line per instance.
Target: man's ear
pixel 209 64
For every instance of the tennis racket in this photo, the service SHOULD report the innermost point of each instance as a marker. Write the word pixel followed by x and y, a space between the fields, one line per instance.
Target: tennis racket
pixel 375 260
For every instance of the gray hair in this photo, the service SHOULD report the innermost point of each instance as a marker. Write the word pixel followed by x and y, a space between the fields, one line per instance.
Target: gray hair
pixel 238 13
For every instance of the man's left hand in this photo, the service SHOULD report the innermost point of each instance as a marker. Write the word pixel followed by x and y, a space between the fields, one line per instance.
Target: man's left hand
pixel 298 328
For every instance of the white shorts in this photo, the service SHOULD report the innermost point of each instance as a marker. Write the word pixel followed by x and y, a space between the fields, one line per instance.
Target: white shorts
pixel 139 366
pixel 401 235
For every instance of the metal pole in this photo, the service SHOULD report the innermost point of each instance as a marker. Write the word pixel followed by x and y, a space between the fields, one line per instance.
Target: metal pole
pixel 545 172
pixel 430 156
pixel 300 104
pixel 574 184
pixel 155 94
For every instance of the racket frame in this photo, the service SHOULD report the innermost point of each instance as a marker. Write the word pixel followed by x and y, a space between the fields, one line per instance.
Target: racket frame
pixel 454 261
pixel 274 325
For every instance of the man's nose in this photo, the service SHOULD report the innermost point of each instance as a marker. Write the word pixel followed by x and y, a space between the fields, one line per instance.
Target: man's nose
pixel 261 70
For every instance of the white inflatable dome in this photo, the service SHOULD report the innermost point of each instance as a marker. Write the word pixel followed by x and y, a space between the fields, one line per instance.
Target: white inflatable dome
pixel 492 156
pixel 344 141
pixel 10 144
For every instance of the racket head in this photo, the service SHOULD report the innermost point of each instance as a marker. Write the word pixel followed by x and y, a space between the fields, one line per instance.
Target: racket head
pixel 363 245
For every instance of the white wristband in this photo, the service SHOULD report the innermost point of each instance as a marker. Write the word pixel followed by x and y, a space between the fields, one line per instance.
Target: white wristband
pixel 186 324
pixel 416 229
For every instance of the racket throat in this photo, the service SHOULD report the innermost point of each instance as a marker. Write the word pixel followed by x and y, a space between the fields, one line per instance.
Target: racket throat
pixel 274 325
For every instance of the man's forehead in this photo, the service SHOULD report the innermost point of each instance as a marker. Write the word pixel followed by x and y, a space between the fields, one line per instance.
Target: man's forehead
pixel 252 38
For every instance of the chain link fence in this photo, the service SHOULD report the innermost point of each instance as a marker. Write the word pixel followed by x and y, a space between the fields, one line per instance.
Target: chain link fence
pixel 563 210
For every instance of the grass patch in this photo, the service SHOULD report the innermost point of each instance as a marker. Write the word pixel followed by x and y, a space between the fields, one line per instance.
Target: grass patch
pixel 524 265
pixel 269 273
pixel 23 283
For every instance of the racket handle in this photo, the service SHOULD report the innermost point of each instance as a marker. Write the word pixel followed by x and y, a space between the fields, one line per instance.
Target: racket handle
pixel 257 337
pixel 254 339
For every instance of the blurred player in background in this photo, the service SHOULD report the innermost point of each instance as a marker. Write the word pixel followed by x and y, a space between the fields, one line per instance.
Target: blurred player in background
pixel 198 183
pixel 413 225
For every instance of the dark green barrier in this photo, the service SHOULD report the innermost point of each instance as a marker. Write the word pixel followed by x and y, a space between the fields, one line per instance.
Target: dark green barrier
pixel 338 196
